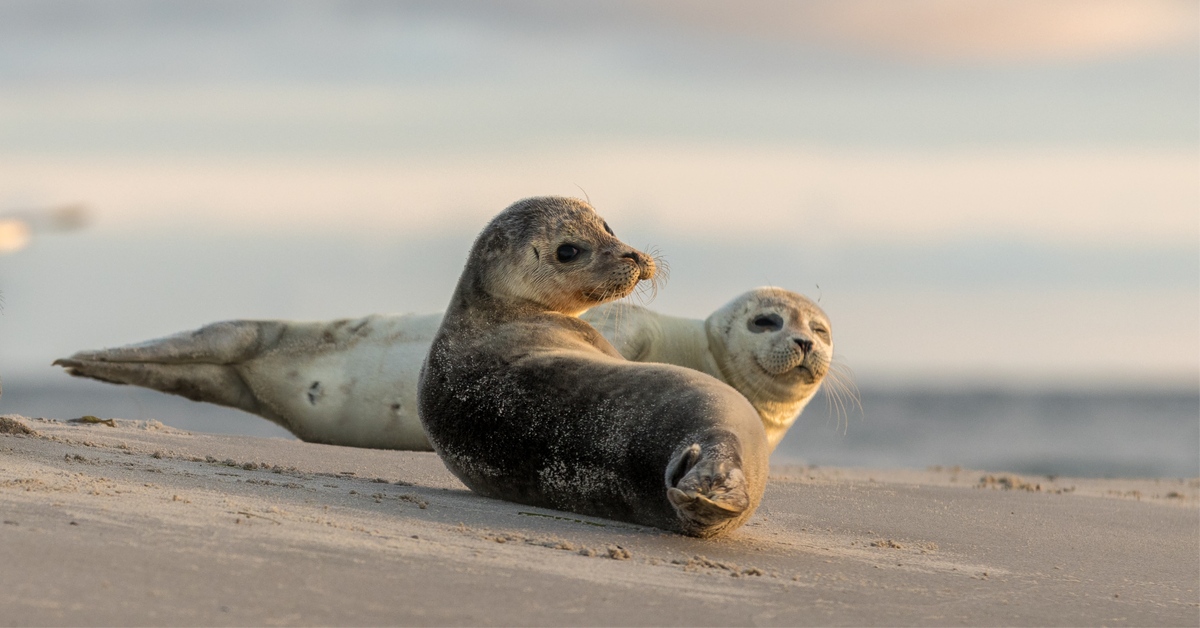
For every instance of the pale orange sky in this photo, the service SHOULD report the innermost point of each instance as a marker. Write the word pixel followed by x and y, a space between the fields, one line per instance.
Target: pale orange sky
pixel 990 31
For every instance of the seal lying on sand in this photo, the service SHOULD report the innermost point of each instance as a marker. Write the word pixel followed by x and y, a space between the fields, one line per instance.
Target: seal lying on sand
pixel 353 382
pixel 523 401
pixel 349 382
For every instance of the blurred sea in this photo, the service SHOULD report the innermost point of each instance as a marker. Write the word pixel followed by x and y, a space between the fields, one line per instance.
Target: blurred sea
pixel 1046 432
pixel 1131 433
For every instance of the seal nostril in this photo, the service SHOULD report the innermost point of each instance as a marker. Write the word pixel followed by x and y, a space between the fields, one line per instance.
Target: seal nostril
pixel 804 343
pixel 633 255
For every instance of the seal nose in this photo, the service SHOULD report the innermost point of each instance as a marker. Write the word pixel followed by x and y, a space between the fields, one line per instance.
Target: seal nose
pixel 644 263
pixel 804 343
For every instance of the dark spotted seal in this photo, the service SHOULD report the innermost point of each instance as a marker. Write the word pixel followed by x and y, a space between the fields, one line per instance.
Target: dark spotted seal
pixel 525 402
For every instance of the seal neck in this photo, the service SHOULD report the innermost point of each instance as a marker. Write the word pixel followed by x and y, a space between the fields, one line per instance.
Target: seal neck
pixel 718 351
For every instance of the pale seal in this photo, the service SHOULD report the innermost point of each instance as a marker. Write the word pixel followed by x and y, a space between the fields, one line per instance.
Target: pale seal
pixel 349 382
pixel 353 382
pixel 525 402
pixel 773 346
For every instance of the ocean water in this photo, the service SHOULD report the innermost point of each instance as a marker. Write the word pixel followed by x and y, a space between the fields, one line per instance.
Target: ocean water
pixel 1133 433
pixel 1069 433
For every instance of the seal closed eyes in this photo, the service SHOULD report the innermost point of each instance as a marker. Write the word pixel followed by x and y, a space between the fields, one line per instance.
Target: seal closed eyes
pixel 525 402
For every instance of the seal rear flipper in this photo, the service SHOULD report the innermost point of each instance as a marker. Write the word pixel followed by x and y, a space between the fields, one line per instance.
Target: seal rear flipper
pixel 227 342
pixel 706 487
pixel 213 383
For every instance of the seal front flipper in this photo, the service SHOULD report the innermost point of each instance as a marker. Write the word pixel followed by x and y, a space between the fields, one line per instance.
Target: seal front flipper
pixel 706 485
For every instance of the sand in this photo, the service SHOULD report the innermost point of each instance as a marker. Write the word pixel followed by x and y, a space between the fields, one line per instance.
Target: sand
pixel 134 523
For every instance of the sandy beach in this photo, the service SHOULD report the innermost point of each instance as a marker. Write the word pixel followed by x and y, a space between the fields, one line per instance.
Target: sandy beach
pixel 135 523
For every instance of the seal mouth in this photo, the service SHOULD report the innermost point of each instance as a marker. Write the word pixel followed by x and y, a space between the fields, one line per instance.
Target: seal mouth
pixel 758 365
pixel 806 374
pixel 769 372
pixel 601 295
pixel 802 371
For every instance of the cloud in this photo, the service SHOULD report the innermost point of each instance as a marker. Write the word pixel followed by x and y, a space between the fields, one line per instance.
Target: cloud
pixel 17 228
pixel 732 192
pixel 1001 31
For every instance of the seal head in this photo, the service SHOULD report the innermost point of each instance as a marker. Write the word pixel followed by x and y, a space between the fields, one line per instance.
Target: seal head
pixel 776 346
pixel 553 254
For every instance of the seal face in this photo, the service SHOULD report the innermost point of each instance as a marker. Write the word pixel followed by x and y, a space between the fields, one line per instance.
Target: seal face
pixel 554 254
pixel 772 345
pixel 776 347
pixel 523 401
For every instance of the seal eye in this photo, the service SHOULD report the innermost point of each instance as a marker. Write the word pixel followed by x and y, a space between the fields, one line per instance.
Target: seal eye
pixel 765 322
pixel 567 252
pixel 609 230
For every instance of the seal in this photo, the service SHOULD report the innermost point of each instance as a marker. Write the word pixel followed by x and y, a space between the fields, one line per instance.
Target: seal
pixel 349 382
pixel 772 345
pixel 353 382
pixel 525 402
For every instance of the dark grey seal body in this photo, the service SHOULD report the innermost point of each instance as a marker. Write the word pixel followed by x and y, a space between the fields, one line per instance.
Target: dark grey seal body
pixel 525 402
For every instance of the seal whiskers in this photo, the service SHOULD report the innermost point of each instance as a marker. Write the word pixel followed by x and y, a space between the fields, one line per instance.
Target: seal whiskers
pixel 661 275
pixel 841 390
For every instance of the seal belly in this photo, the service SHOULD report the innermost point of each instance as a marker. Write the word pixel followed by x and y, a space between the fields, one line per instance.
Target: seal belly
pixel 359 394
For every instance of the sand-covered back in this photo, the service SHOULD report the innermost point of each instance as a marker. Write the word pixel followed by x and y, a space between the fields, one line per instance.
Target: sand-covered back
pixel 135 523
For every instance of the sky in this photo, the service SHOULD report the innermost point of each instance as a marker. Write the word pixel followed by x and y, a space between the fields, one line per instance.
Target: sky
pixel 977 191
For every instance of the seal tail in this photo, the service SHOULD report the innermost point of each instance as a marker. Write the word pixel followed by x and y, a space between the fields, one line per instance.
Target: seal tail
pixel 212 383
pixel 199 365
pixel 227 342
pixel 706 486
